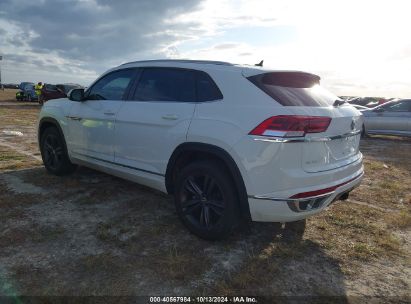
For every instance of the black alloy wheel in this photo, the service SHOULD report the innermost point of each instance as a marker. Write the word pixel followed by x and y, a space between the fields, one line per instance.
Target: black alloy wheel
pixel 206 200
pixel 54 154
pixel 53 151
pixel 202 201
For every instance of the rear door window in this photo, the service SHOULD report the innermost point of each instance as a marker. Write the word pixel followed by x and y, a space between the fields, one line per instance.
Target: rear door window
pixel 294 89
pixel 166 84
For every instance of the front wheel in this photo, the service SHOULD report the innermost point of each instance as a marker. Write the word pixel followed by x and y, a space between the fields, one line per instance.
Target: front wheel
pixel 54 154
pixel 206 200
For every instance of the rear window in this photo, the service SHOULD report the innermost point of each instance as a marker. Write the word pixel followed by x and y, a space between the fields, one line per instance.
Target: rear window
pixel 294 89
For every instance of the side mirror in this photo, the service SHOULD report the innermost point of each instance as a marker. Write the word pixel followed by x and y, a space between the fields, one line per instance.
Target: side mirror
pixel 379 110
pixel 76 95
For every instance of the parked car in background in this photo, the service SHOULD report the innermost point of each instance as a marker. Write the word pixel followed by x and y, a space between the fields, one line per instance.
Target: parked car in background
pixel 10 86
pixel 30 93
pixel 230 142
pixel 391 118
pixel 26 91
pixel 360 108
pixel 368 102
pixel 23 84
pixel 382 101
pixel 51 91
pixel 19 95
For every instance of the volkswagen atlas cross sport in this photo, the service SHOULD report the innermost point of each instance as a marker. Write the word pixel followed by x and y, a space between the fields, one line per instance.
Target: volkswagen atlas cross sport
pixel 230 142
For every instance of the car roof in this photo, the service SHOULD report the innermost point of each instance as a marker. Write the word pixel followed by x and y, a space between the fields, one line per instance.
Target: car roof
pixel 204 65
pixel 393 102
pixel 182 61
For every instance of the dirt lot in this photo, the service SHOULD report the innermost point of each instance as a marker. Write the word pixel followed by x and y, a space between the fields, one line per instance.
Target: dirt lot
pixel 93 234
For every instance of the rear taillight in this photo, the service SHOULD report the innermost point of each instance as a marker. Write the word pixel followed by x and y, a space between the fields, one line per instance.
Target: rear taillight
pixel 291 126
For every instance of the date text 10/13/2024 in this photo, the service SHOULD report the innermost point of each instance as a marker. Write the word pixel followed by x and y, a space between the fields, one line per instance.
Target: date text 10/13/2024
pixel 203 299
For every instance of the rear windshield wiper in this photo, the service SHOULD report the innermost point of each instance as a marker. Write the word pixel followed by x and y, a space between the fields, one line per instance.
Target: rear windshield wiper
pixel 338 102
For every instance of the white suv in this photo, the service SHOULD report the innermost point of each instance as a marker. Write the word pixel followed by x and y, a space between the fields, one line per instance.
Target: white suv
pixel 229 141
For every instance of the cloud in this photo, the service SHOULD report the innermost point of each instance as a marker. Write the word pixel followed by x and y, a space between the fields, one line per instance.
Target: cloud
pixel 362 43
pixel 224 46
pixel 88 34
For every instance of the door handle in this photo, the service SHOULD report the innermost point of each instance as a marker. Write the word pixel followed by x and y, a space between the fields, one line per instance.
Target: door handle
pixel 74 117
pixel 170 117
pixel 109 113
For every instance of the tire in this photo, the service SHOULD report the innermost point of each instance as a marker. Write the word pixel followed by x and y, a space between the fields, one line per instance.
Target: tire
pixel 363 133
pixel 54 153
pixel 206 200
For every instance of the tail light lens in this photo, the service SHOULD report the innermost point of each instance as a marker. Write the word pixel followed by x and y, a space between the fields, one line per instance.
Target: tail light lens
pixel 291 126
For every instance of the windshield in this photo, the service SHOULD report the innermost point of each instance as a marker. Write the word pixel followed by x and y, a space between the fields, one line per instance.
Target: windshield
pixel 294 89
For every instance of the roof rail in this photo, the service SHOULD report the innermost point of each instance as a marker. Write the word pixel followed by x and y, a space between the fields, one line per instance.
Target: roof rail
pixel 182 61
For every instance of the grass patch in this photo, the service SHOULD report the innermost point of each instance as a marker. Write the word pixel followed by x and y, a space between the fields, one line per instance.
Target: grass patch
pixel 8 94
pixel 12 160
pixel 400 219
pixel 41 233
pixel 5 157
pixel 384 187
pixel 354 234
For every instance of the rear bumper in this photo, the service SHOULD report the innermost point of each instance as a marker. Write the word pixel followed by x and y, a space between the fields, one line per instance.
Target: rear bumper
pixel 273 208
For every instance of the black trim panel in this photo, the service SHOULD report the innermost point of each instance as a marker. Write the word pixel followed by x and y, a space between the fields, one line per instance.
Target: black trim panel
pixel 120 165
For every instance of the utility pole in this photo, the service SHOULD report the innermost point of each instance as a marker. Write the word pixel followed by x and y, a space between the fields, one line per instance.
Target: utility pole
pixel 1 58
pixel 1 84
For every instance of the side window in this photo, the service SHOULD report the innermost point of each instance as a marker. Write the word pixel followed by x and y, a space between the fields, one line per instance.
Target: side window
pixel 50 87
pixel 207 90
pixel 112 86
pixel 401 106
pixel 60 87
pixel 166 84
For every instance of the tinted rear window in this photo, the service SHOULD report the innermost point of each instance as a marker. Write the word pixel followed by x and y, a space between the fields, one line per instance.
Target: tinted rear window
pixel 294 89
pixel 165 84
pixel 207 90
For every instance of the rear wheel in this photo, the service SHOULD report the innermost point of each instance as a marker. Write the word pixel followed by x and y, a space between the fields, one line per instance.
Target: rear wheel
pixel 54 154
pixel 206 200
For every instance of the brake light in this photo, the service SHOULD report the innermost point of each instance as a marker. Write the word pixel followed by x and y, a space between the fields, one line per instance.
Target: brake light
pixel 291 126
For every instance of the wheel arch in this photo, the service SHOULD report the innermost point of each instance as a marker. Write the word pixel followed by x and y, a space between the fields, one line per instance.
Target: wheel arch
pixel 190 151
pixel 47 122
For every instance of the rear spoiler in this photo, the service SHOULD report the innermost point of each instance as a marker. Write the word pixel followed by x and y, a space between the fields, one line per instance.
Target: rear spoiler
pixel 293 79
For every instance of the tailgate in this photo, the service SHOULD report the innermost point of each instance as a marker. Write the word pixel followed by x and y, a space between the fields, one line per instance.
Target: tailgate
pixel 338 146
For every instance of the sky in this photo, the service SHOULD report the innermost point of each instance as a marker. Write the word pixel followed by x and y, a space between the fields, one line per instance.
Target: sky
pixel 357 47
